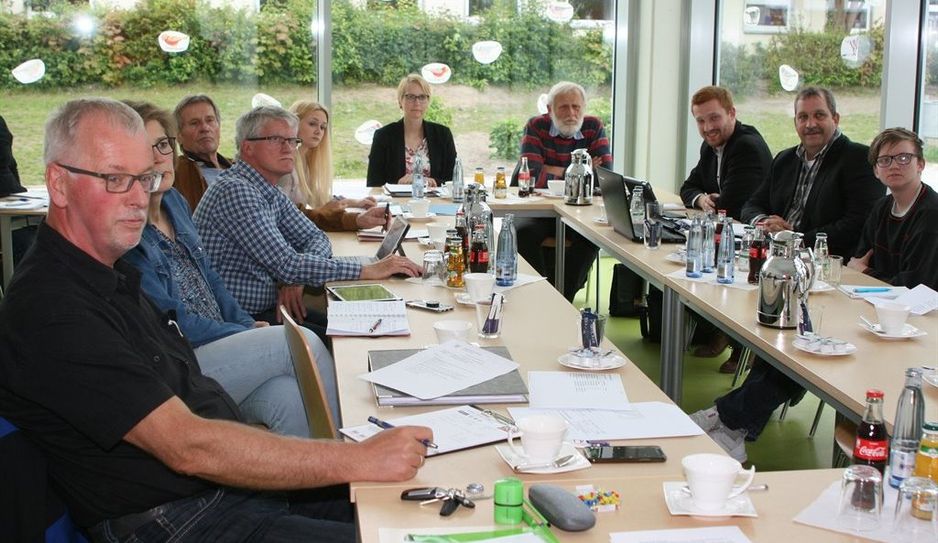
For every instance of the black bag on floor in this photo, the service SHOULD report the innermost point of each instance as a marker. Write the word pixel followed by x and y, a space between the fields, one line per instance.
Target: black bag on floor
pixel 626 289
pixel 651 320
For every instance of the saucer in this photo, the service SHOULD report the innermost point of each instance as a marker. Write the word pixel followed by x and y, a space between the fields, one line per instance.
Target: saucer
pixel 930 376
pixel 908 331
pixel 677 257
pixel 546 194
pixel 601 220
pixel 680 503
pixel 513 459
pixel 824 346
pixel 410 217
pixel 821 286
pixel 608 362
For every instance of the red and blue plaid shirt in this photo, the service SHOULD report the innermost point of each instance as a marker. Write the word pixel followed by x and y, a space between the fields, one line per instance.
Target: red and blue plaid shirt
pixel 544 145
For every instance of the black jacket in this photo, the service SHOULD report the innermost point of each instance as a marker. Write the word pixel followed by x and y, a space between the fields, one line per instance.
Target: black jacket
pixel 746 161
pixel 841 198
pixel 386 161
pixel 9 175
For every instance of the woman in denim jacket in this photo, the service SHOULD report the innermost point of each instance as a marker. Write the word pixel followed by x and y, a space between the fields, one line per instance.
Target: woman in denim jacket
pixel 251 360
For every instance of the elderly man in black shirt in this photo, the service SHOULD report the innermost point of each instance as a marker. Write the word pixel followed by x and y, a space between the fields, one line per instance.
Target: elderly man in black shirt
pixel 139 442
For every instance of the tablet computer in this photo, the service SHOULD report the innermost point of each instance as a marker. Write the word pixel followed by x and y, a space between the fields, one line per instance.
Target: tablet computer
pixel 363 293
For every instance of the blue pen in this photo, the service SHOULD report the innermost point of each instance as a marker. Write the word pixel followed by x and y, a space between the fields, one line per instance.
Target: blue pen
pixel 387 426
pixel 864 290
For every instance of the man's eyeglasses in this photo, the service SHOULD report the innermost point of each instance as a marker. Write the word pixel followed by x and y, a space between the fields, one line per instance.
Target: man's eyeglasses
pixel 279 140
pixel 903 159
pixel 165 146
pixel 416 98
pixel 121 182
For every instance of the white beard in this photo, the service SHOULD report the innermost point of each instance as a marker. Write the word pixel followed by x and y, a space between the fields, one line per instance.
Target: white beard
pixel 566 130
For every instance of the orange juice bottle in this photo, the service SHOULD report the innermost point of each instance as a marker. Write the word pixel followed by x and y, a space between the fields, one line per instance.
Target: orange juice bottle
pixel 926 465
pixel 479 177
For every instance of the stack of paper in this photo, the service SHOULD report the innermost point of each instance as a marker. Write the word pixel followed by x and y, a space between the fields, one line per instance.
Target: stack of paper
pixel 368 319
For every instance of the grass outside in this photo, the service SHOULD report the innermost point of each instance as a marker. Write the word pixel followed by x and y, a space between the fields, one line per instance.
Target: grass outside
pixel 473 114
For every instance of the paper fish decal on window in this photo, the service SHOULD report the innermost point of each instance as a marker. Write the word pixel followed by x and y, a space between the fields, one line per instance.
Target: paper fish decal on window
pixel 436 73
pixel 29 71
pixel 486 52
pixel 560 12
pixel 542 104
pixel 261 99
pixel 173 42
pixel 854 50
pixel 788 77
pixel 365 133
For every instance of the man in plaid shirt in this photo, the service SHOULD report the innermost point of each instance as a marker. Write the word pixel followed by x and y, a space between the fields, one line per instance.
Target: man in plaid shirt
pixel 256 237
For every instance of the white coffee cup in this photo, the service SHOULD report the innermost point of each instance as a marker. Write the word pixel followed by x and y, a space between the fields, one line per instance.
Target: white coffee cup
pixel 556 186
pixel 437 231
pixel 541 438
pixel 711 479
pixel 479 286
pixel 892 317
pixel 452 329
pixel 419 208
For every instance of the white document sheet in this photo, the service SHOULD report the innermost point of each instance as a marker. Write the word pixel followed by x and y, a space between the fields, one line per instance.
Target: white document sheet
pixel 454 428
pixel 441 370
pixel 921 299
pixel 711 279
pixel 577 390
pixel 520 281
pixel 714 534
pixel 646 420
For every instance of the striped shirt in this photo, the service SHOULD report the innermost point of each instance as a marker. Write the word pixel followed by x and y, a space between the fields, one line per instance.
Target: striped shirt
pixel 257 239
pixel 806 176
pixel 545 146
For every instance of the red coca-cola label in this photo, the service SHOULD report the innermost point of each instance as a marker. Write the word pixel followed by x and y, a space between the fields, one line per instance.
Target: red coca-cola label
pixel 870 450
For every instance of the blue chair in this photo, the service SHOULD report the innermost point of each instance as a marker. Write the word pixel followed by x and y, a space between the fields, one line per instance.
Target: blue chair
pixel 30 511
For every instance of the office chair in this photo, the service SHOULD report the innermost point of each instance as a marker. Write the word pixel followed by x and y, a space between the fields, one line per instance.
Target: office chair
pixel 318 414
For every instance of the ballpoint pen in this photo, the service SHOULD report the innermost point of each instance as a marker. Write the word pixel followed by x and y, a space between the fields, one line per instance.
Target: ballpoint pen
pixel 862 290
pixel 387 426
pixel 374 326
pixel 387 215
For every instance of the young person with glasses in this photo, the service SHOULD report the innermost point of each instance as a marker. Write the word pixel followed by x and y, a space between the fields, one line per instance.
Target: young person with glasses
pixel 396 146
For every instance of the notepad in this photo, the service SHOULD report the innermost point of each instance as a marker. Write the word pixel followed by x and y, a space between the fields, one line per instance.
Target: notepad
pixel 368 319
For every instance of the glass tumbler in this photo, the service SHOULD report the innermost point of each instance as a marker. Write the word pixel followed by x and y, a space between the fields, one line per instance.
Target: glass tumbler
pixel 434 269
pixel 916 517
pixel 861 499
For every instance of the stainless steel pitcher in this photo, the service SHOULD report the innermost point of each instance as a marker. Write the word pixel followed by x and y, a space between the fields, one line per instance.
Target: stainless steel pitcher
pixel 578 179
pixel 785 280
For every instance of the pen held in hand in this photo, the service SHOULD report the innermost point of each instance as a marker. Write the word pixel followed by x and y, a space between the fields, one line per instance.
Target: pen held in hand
pixel 387 426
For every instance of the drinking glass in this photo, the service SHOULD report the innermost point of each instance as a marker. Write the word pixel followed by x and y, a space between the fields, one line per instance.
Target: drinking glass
pixel 651 230
pixel 916 518
pixel 836 267
pixel 861 499
pixel 590 350
pixel 434 270
pixel 488 328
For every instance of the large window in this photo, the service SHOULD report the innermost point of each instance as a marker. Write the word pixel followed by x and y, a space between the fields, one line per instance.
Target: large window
pixel 488 72
pixel 928 115
pixel 771 48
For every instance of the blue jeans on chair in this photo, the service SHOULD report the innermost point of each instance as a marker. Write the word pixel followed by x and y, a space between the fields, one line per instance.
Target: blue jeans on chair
pixel 232 515
pixel 255 368
pixel 749 406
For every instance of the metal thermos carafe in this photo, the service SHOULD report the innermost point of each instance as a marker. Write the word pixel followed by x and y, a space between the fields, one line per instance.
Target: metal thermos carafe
pixel 784 281
pixel 578 179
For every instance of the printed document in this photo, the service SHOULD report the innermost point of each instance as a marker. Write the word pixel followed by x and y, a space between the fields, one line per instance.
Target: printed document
pixel 646 420
pixel 441 370
pixel 715 534
pixel 577 390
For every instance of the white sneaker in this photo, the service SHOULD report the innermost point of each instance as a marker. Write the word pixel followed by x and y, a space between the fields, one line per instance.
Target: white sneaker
pixel 707 419
pixel 732 441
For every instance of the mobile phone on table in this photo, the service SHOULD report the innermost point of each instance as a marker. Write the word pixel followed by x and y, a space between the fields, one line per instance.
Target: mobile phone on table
pixel 429 305
pixel 626 453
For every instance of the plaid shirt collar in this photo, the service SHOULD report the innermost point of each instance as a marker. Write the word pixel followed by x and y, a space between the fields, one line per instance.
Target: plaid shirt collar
pixel 800 152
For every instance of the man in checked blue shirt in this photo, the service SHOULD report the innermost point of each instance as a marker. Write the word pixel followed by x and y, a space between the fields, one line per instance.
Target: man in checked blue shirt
pixel 257 238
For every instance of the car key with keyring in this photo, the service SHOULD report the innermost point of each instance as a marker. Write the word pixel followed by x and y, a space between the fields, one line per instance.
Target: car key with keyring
pixel 452 498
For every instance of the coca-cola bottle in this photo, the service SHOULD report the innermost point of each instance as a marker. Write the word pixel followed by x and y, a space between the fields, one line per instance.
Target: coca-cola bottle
pixel 872 445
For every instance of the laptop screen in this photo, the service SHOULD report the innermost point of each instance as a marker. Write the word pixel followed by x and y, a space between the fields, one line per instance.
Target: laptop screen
pixel 616 201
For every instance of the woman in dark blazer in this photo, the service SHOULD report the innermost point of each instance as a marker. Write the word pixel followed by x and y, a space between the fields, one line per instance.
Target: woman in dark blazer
pixel 396 145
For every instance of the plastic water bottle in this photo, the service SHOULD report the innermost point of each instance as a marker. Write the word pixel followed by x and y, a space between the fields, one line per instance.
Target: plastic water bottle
pixel 694 248
pixel 417 186
pixel 907 429
pixel 726 255
pixel 637 206
pixel 707 246
pixel 459 186
pixel 506 258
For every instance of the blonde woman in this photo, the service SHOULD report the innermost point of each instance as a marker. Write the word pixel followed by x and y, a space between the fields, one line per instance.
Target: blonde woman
pixel 310 186
pixel 396 145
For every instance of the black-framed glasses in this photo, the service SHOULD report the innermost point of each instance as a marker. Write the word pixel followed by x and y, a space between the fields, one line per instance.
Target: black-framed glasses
pixel 121 182
pixel 165 146
pixel 903 159
pixel 279 140
pixel 416 97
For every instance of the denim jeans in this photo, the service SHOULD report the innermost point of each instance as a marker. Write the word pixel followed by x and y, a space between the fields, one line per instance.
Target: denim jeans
pixel 255 368
pixel 750 406
pixel 231 515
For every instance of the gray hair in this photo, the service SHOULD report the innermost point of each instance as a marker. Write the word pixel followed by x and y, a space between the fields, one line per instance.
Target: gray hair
pixel 190 100
pixel 826 94
pixel 60 131
pixel 564 87
pixel 250 123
